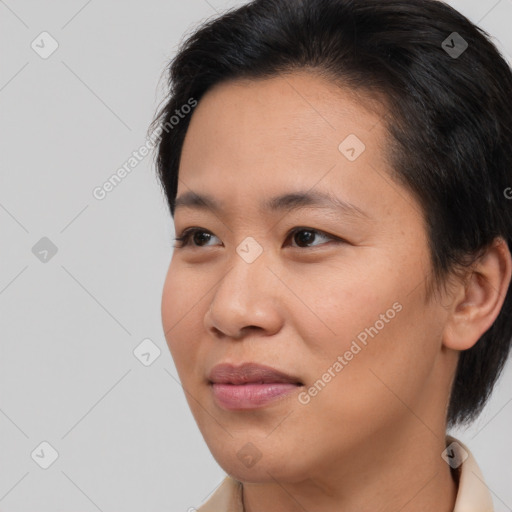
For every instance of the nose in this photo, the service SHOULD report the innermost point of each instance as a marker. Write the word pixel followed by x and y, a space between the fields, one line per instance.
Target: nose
pixel 248 298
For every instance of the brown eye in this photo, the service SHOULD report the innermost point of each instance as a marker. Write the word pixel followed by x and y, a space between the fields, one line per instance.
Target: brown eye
pixel 199 237
pixel 306 236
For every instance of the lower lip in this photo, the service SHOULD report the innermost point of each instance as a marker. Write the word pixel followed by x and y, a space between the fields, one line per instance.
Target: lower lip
pixel 250 396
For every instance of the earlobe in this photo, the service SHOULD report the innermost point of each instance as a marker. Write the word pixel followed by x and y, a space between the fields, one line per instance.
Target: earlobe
pixel 480 298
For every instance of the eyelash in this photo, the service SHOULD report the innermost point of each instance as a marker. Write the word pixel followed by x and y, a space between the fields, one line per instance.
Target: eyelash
pixel 185 238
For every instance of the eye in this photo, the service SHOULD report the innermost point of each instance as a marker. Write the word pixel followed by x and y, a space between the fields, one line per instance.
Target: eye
pixel 308 235
pixel 201 237
pixel 198 235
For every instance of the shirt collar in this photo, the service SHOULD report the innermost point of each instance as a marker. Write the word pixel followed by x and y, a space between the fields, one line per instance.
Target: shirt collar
pixel 472 496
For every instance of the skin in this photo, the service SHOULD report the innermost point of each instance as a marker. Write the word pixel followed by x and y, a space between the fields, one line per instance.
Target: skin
pixel 372 438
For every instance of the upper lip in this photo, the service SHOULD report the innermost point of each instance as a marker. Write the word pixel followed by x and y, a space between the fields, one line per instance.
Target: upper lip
pixel 226 373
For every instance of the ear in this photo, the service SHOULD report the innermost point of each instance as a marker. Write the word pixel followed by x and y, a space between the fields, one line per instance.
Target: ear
pixel 478 301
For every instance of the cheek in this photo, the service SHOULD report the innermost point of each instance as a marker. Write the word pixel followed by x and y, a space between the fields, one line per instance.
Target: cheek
pixel 181 324
pixel 371 337
pixel 341 302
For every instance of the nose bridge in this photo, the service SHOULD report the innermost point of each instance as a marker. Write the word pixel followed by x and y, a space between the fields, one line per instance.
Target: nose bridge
pixel 248 277
pixel 246 294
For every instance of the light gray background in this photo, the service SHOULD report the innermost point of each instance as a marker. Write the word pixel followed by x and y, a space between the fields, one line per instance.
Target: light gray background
pixel 68 376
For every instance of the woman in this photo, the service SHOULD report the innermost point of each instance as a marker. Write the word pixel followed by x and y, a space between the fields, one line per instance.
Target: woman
pixel 339 294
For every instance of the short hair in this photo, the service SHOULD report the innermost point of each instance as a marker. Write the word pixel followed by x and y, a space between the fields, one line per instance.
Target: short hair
pixel 448 119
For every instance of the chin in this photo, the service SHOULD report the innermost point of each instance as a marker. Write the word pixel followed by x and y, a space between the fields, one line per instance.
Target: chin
pixel 251 462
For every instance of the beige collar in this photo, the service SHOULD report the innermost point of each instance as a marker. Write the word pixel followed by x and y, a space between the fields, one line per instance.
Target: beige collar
pixel 472 496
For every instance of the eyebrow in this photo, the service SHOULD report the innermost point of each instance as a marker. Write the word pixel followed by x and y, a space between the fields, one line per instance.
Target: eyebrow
pixel 282 203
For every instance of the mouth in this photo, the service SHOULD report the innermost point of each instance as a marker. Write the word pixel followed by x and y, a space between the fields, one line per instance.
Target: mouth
pixel 250 385
pixel 249 373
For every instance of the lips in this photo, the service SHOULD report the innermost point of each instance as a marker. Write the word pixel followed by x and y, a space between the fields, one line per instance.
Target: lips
pixel 250 386
pixel 249 373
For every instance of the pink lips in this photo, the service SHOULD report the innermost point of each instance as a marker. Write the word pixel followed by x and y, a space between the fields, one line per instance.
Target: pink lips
pixel 250 385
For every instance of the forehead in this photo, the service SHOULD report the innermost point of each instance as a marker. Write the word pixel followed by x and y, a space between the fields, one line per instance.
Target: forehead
pixel 256 138
pixel 298 110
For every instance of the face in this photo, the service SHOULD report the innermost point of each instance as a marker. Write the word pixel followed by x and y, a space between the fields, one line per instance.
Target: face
pixel 332 295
